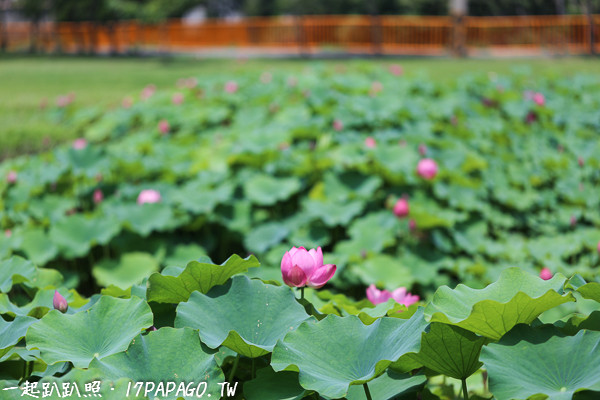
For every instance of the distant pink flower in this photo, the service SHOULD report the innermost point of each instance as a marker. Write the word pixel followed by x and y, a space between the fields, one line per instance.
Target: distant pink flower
pixel 377 296
pixel 127 102
pixel 531 117
pixel 402 297
pixel 539 99
pixel 148 92
pixel 98 196
pixel 63 101
pixel 402 143
pixel 528 94
pixel 8 233
pixel 573 221
pixel 148 196
pixel 266 77
pixel 427 168
pixel 80 144
pixel 454 120
pixel 292 81
pixel 396 69
pixel 11 177
pixel 338 125
pixel 545 274
pixel 412 225
pixel 191 82
pixel 177 99
pixel 580 161
pixel 59 302
pixel 231 87
pixel 422 149
pixel 43 103
pixel 598 247
pixel 376 87
pixel 370 142
pixel 301 267
pixel 163 126
pixel 401 208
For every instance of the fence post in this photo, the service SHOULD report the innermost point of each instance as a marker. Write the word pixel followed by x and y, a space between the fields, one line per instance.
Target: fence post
pixel 301 36
pixel 376 35
pixel 458 12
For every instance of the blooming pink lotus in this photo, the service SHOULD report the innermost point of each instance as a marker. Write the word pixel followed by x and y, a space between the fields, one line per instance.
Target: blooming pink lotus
pixel 148 92
pixel 59 302
pixel 422 149
pixel 301 267
pixel 338 125
pixel 400 295
pixel 8 233
pixel 598 247
pixel 98 196
pixel 163 126
pixel 80 144
pixel 427 168
pixel 148 196
pixel 11 177
pixel 545 274
pixel 396 69
pixel 231 87
pixel 370 142
pixel 177 99
pixel 401 208
pixel 539 99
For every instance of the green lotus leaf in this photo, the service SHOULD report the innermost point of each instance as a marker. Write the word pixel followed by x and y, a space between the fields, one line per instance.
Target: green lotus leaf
pixel 38 247
pixel 15 270
pixel 184 253
pixel 245 315
pixel 75 235
pixel 589 290
pixel 516 297
pixel 333 213
pixel 130 270
pixel 383 270
pixel 105 328
pixel 196 276
pixel 267 190
pixel 271 385
pixel 265 236
pixel 388 386
pixel 11 332
pixel 41 303
pixel 165 355
pixel 198 198
pixel 450 350
pixel 578 322
pixel 144 218
pixel 337 352
pixel 529 361
pixel 51 208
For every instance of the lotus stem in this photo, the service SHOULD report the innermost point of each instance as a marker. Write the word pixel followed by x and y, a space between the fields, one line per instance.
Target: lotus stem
pixel 235 364
pixel 367 391
pixel 465 390
pixel 301 293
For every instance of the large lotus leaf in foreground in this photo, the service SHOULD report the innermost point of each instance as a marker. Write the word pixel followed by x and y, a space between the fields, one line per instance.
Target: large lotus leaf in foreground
pixel 165 355
pixel 130 270
pixel 516 297
pixel 529 361
pixel 390 385
pixel 12 331
pixel 106 328
pixel 248 316
pixel 337 352
pixel 15 270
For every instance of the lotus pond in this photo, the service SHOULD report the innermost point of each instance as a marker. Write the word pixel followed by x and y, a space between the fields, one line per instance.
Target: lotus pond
pixel 338 233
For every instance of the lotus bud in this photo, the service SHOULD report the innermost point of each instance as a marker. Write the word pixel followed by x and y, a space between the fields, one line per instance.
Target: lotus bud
pixel 231 87
pixel 177 99
pixel 338 125
pixel 377 296
pixel 580 161
pixel 11 177
pixel 545 274
pixel 301 267
pixel 539 99
pixel 98 196
pixel 8 233
pixel 412 225
pixel 59 302
pixel 148 196
pixel 163 126
pixel 401 208
pixel 80 144
pixel 422 149
pixel 370 142
pixel 127 102
pixel 396 69
pixel 573 221
pixel 427 168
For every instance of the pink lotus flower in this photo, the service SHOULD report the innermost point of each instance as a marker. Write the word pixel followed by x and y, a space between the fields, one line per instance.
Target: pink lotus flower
pixel 422 149
pixel 370 142
pixel 11 177
pixel 573 221
pixel 427 168
pixel 301 267
pixel 8 233
pixel 80 144
pixel 402 143
pixel 531 117
pixel 338 125
pixel 98 196
pixel 163 126
pixel 545 274
pixel 148 92
pixel 177 99
pixel 396 69
pixel 401 208
pixel 539 99
pixel 59 302
pixel 400 295
pixel 43 103
pixel 231 87
pixel 412 225
pixel 266 77
pixel 580 161
pixel 127 102
pixel 598 247
pixel 148 196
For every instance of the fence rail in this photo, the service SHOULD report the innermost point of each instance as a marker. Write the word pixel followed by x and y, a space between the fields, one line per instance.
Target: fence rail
pixel 569 34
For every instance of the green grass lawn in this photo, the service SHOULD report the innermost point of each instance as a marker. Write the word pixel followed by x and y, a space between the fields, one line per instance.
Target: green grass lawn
pixel 27 81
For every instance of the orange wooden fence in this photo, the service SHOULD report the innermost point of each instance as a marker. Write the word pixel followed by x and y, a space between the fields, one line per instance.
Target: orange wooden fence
pixel 571 34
